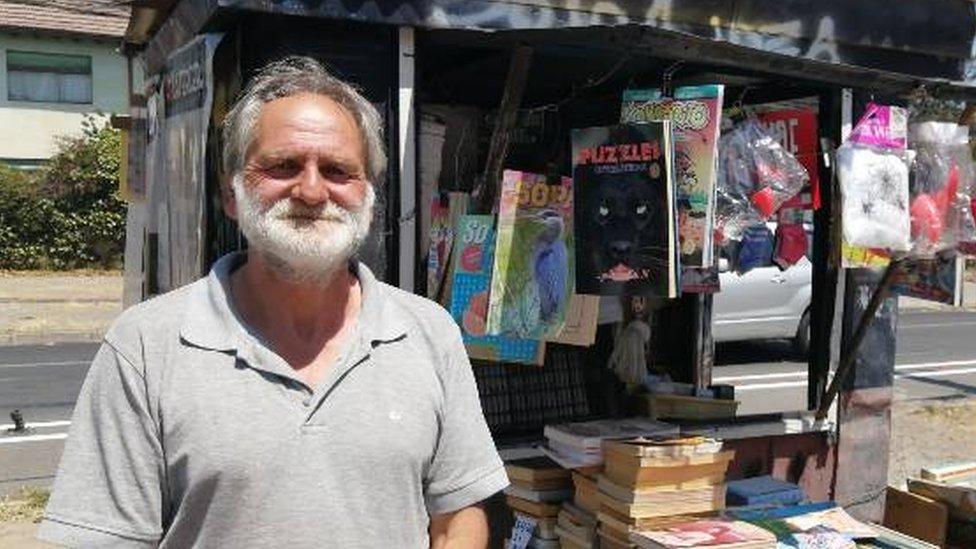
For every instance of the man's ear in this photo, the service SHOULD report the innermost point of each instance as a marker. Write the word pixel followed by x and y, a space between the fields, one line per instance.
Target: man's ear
pixel 228 200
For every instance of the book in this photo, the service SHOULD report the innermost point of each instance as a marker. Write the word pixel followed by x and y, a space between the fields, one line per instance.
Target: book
pixel 555 495
pixel 668 503
pixel 534 508
pixel 536 469
pixel 695 113
pixel 763 489
pixel 589 435
pixel 587 495
pixel 835 519
pixel 663 447
pixel 624 209
pixel 714 533
pixel 637 472
pixel 534 268
pixel 651 494
pixel 474 241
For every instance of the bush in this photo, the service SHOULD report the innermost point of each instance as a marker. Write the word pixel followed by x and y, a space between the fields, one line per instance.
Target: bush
pixel 68 214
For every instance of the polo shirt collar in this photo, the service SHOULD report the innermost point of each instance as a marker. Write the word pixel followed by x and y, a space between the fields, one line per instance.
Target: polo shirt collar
pixel 210 321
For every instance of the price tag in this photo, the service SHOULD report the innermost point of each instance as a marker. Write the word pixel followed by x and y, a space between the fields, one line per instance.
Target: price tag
pixel 522 531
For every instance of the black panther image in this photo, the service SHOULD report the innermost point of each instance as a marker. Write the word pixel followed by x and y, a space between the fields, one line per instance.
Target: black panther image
pixel 623 217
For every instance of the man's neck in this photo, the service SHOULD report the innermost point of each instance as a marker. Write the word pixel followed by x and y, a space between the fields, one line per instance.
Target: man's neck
pixel 304 321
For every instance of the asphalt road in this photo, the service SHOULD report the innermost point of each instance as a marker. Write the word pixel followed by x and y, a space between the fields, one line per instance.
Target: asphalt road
pixel 936 359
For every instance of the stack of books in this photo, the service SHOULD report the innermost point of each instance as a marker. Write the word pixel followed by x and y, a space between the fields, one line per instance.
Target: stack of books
pixel 650 483
pixel 579 445
pixel 538 488
pixel 576 528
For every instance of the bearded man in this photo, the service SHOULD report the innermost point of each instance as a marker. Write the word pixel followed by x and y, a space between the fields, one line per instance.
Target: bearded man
pixel 288 399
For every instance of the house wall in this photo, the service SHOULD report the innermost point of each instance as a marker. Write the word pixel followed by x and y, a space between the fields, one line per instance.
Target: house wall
pixel 28 130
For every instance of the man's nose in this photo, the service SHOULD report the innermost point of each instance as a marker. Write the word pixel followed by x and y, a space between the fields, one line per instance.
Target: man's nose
pixel 311 188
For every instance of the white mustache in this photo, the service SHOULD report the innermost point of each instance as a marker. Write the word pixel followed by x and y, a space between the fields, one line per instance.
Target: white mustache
pixel 286 209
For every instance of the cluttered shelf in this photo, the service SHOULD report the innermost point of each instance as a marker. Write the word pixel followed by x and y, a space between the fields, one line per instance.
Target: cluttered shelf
pixel 643 483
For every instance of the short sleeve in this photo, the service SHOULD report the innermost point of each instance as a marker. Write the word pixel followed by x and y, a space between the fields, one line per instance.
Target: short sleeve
pixel 466 468
pixel 108 490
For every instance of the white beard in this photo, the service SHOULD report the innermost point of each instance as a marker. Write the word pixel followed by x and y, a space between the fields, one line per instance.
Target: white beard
pixel 302 243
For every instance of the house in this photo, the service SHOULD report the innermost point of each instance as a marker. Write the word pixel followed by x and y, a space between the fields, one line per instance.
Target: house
pixel 59 60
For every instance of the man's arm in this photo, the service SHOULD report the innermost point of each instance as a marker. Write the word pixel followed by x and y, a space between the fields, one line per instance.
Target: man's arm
pixel 466 528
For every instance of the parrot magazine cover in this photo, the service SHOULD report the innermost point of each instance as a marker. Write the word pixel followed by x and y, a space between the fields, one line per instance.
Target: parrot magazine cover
pixel 624 210
pixel 534 274
pixel 695 113
pixel 474 244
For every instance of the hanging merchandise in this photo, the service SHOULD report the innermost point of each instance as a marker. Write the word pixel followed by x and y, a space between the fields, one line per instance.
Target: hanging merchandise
pixel 942 216
pixel 474 246
pixel 794 125
pixel 695 113
pixel 629 356
pixel 756 248
pixel 873 176
pixel 791 244
pixel 624 202
pixel 756 176
pixel 533 277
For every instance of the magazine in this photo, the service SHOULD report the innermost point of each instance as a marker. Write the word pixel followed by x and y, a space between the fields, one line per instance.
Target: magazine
pixel 695 113
pixel 705 533
pixel 474 243
pixel 533 277
pixel 624 209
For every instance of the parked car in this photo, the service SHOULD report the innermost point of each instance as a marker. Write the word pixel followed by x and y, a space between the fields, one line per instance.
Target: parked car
pixel 764 303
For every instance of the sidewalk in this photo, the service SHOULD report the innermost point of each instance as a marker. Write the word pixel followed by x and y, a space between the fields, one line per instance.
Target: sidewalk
pixel 47 307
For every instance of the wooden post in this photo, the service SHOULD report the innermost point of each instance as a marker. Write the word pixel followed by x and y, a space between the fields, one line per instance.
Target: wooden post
pixel 518 74
pixel 407 160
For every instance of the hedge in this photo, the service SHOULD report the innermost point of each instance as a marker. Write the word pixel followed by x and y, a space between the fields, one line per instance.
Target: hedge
pixel 68 214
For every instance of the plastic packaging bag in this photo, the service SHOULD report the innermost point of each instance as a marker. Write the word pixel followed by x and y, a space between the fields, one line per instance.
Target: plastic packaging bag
pixel 941 208
pixel 756 176
pixel 874 190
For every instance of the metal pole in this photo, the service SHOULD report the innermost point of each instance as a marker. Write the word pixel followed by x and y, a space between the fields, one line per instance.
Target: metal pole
pixel 850 350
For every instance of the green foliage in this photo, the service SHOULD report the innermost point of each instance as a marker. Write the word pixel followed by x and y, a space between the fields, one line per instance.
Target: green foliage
pixel 68 214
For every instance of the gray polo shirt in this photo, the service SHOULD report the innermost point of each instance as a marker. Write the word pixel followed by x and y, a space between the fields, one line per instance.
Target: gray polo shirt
pixel 190 432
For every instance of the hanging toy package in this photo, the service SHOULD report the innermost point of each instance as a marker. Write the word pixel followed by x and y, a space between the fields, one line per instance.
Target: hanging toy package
pixel 941 204
pixel 756 176
pixel 873 175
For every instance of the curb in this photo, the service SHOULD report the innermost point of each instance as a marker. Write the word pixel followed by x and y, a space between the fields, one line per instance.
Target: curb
pixel 48 338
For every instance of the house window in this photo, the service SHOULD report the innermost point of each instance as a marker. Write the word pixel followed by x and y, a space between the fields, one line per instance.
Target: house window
pixel 48 77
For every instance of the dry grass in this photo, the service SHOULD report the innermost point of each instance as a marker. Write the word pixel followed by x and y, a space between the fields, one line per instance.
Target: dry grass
pixel 24 506
pixel 72 272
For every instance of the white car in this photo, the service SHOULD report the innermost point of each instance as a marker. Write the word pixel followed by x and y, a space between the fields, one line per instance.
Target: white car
pixel 764 303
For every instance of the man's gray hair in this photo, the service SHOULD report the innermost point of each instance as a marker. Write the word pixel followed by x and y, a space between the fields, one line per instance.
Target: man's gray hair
pixel 294 75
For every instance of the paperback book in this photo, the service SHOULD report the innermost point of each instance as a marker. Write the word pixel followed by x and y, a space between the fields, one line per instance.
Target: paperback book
pixel 533 276
pixel 624 207
pixel 474 248
pixel 695 113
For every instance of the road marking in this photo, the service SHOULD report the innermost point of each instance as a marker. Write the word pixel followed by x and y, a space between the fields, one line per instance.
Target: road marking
pixel 39 425
pixel 939 373
pixel 33 438
pixel 898 375
pixel 33 364
pixel 935 325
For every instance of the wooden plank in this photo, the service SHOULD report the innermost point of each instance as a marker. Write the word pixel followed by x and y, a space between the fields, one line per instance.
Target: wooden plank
pixel 915 515
pixel 518 75
pixel 961 500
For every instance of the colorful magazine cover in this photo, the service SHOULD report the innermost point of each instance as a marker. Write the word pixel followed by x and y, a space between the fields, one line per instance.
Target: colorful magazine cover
pixel 474 243
pixel 534 273
pixel 624 210
pixel 695 113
